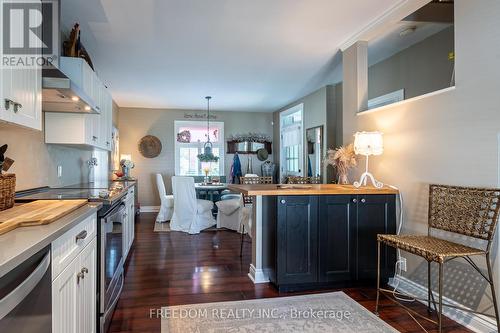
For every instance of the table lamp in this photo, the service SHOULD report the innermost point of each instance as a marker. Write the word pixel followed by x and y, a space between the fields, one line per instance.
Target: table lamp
pixel 368 143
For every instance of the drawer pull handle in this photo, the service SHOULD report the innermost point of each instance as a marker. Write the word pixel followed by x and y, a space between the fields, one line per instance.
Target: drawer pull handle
pixel 81 235
pixel 79 276
pixel 354 200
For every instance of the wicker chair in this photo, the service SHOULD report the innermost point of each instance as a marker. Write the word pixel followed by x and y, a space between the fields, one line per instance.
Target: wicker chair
pixel 248 201
pixel 252 181
pixel 303 180
pixel 472 212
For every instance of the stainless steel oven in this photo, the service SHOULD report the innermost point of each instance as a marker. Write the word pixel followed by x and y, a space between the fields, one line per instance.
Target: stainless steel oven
pixel 26 296
pixel 111 262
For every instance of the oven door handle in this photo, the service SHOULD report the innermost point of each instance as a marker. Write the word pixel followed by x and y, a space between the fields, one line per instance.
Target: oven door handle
pixel 16 296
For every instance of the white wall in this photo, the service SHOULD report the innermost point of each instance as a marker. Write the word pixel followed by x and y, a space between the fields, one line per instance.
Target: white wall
pixel 448 138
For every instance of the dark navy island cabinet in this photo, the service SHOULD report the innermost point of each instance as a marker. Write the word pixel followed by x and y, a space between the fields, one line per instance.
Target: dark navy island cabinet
pixel 321 241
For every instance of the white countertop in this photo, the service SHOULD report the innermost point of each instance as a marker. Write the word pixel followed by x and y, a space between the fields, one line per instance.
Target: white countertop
pixel 18 245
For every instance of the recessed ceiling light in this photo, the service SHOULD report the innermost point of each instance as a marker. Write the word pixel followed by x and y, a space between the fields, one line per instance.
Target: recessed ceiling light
pixel 87 108
pixel 75 98
pixel 407 31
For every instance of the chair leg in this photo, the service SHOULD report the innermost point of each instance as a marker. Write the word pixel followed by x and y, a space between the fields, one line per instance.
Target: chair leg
pixel 440 314
pixel 429 287
pixel 378 277
pixel 241 244
pixel 492 286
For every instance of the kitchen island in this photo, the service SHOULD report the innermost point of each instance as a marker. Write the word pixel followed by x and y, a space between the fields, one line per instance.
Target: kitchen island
pixel 314 236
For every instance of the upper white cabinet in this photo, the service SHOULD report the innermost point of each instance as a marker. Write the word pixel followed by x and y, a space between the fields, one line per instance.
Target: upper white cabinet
pixel 82 129
pixel 20 93
pixel 83 76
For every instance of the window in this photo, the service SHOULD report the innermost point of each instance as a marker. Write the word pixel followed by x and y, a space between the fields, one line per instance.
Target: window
pixel 190 137
pixel 291 141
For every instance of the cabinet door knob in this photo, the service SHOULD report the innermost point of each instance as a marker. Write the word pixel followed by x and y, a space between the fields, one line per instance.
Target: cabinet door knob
pixel 17 106
pixel 84 270
pixel 354 200
pixel 8 103
pixel 283 201
pixel 79 276
pixel 363 200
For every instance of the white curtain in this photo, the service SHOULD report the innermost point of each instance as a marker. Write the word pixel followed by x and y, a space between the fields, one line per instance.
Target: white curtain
pixel 292 135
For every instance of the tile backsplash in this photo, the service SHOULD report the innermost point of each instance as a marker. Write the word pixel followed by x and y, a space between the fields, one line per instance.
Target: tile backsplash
pixel 36 163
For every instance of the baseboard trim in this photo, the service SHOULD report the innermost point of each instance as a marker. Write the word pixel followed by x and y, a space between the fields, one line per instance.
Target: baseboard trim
pixel 257 275
pixel 472 321
pixel 150 209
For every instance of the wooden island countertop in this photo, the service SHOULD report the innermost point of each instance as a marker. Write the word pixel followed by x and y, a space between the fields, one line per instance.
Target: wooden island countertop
pixel 313 189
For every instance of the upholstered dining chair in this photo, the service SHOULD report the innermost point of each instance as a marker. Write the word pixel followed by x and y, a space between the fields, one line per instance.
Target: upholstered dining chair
pixel 167 201
pixel 471 212
pixel 231 212
pixel 191 215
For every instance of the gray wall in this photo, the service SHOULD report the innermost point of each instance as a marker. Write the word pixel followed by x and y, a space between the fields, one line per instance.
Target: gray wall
pixel 36 163
pixel 134 123
pixel 419 69
pixel 320 109
pixel 448 138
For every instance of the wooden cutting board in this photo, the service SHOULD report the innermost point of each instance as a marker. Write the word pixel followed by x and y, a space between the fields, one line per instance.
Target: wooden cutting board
pixel 35 213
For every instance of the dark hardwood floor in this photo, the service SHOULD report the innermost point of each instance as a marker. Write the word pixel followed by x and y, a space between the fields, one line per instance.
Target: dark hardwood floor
pixel 175 268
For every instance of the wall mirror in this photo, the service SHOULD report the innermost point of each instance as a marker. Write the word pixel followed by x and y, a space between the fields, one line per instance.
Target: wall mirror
pixel 314 159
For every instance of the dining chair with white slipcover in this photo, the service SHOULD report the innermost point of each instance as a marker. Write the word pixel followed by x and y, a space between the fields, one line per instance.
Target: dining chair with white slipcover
pixel 230 212
pixel 191 215
pixel 167 201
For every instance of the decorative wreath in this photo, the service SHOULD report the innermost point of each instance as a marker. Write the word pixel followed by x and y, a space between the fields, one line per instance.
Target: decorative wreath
pixel 184 137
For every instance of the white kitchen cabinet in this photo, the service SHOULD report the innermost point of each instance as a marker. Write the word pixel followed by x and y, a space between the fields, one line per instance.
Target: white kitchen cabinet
pixel 129 222
pixel 87 292
pixel 79 71
pixel 90 130
pixel 64 300
pixel 74 294
pixel 71 129
pixel 20 93
pixel 82 129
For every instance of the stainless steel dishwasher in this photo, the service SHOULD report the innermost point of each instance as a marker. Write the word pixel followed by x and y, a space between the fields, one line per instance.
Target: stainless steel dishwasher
pixel 26 296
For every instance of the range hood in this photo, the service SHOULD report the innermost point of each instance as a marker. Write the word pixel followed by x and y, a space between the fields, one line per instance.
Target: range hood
pixel 60 94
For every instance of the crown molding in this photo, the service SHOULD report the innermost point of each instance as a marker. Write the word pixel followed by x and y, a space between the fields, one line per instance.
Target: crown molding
pixel 381 24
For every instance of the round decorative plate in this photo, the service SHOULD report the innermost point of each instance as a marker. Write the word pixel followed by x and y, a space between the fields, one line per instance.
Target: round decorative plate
pixel 150 146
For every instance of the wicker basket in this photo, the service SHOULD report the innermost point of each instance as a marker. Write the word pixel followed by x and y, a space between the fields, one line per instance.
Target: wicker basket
pixel 7 191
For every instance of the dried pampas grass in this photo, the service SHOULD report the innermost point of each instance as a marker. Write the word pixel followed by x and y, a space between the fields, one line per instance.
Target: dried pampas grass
pixel 342 158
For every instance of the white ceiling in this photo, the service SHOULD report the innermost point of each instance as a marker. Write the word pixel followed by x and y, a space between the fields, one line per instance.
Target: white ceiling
pixel 257 55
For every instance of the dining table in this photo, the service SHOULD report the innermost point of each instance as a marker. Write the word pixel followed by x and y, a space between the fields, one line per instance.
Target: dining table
pixel 210 189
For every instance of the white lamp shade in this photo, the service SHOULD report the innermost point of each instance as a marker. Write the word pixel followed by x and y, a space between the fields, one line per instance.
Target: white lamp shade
pixel 368 143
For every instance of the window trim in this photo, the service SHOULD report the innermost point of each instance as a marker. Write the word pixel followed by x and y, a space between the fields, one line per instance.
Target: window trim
pixel 294 109
pixel 220 145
